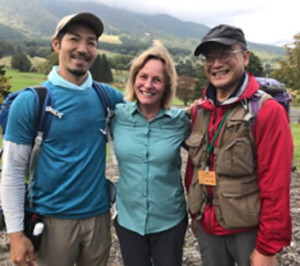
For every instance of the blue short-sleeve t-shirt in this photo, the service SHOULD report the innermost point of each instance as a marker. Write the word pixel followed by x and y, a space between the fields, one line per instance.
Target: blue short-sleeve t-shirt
pixel 69 180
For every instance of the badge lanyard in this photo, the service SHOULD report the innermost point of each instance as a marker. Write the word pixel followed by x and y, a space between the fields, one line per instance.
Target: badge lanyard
pixel 210 146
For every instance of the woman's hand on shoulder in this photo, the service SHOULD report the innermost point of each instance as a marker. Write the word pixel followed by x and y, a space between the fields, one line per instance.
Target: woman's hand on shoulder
pixel 189 109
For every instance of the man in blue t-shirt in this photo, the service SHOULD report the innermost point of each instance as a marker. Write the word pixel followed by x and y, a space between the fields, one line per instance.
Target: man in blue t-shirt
pixel 69 189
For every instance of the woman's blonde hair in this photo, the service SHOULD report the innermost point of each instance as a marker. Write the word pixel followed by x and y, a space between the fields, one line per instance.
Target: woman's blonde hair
pixel 157 52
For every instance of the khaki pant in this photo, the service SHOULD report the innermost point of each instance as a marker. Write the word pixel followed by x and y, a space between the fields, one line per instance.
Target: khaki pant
pixel 83 242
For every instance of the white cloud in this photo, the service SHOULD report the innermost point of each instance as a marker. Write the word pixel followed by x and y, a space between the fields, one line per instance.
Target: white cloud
pixel 263 21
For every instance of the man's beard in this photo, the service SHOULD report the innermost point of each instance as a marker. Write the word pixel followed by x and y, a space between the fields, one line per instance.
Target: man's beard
pixel 77 72
pixel 80 72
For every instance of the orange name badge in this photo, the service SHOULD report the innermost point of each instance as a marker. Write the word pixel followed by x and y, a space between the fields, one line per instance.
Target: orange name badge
pixel 207 178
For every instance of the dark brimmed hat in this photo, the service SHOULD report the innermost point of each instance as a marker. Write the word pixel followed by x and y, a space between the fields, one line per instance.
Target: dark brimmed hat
pixel 88 18
pixel 223 34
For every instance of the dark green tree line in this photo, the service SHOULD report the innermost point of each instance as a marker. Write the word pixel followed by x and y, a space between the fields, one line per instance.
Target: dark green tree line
pixel 255 66
pixel 101 70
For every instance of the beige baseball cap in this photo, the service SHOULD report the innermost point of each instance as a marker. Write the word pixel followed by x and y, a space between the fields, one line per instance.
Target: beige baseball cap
pixel 89 18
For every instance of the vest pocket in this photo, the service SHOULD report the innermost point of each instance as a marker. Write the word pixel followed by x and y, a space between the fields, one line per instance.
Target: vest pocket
pixel 236 159
pixel 239 203
pixel 197 148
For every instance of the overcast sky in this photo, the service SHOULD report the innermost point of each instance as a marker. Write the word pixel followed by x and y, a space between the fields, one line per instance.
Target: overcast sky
pixel 263 21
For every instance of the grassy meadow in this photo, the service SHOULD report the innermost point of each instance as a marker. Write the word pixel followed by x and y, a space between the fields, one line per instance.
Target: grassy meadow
pixel 21 80
pixel 110 38
pixel 296 136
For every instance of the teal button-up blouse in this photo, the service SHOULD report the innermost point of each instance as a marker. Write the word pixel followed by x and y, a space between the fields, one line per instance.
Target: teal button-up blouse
pixel 150 194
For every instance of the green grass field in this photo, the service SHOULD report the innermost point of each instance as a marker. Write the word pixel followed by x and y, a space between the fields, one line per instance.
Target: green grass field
pixel 296 137
pixel 21 80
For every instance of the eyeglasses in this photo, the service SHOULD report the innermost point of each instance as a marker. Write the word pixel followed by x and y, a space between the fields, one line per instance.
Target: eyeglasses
pixel 222 57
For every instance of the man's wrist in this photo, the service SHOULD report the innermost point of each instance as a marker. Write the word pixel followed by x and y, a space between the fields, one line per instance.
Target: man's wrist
pixel 263 251
pixel 16 235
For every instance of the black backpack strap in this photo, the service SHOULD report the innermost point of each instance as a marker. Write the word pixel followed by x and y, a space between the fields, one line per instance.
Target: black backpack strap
pixel 41 92
pixel 43 117
pixel 102 95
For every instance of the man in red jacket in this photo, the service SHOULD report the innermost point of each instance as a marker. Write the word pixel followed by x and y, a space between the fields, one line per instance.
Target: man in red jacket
pixel 238 180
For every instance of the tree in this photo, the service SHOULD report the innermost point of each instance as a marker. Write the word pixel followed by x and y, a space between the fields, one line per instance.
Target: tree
pixel 185 88
pixel 96 68
pixel 255 66
pixel 107 74
pixel 52 60
pixel 100 70
pixel 201 83
pixel 267 69
pixel 186 68
pixel 120 62
pixel 4 84
pixel 289 69
pixel 21 62
pixel 6 48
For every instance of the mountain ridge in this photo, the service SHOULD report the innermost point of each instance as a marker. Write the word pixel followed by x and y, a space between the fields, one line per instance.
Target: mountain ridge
pixel 36 19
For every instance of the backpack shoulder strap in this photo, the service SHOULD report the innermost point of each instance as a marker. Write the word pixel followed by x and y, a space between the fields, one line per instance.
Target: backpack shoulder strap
pixel 257 101
pixel 43 100
pixel 41 93
pixel 102 95
pixel 104 99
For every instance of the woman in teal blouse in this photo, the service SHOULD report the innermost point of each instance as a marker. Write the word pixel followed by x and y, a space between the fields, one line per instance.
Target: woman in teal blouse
pixel 148 133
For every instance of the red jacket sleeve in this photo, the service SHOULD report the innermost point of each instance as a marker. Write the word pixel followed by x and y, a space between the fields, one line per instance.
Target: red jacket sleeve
pixel 274 145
